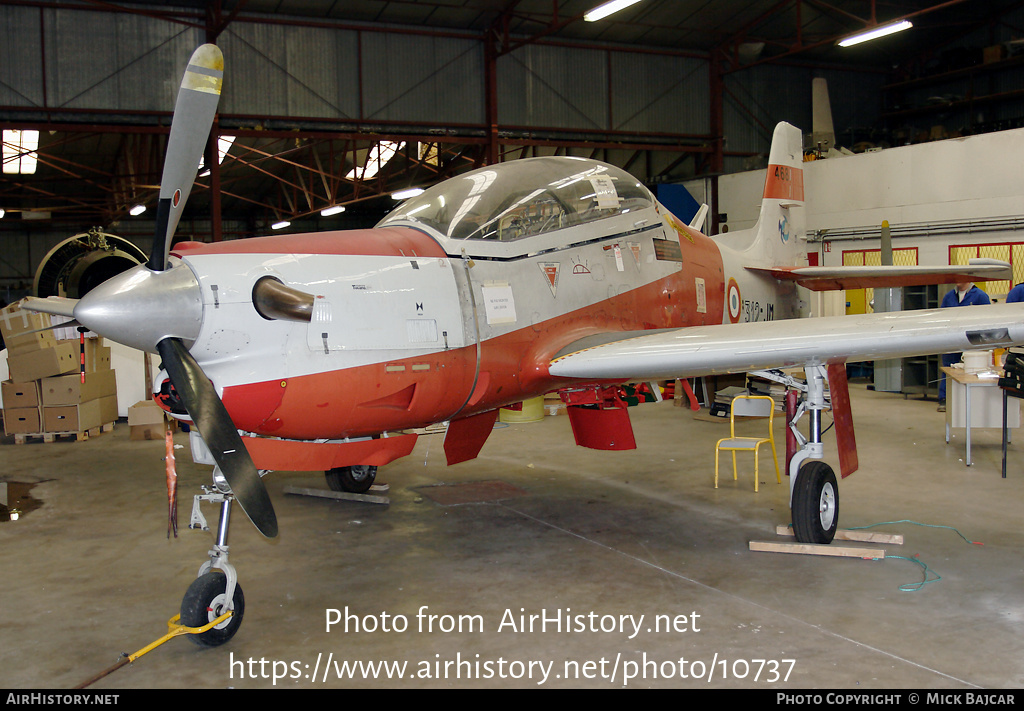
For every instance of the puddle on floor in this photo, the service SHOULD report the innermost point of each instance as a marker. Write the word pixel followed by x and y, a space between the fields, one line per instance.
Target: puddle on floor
pixel 16 500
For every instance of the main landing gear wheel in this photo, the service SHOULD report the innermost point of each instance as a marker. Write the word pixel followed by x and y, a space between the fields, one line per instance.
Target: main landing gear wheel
pixel 815 503
pixel 356 479
pixel 204 602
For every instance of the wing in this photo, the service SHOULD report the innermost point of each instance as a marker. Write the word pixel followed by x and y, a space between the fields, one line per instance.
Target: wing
pixel 741 347
pixel 828 278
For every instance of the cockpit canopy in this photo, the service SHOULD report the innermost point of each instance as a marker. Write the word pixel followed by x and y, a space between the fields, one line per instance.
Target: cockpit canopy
pixel 521 198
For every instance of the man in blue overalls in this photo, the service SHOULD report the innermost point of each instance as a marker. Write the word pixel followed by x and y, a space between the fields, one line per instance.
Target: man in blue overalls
pixel 1016 294
pixel 963 294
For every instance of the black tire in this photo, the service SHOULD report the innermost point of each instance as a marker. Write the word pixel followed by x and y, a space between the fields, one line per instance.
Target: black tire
pixel 815 503
pixel 356 479
pixel 204 602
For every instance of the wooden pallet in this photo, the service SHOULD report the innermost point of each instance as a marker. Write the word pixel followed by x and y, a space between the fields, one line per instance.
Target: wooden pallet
pixel 50 437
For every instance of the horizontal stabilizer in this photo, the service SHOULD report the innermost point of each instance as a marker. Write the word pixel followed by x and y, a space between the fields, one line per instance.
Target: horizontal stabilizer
pixel 697 222
pixel 835 278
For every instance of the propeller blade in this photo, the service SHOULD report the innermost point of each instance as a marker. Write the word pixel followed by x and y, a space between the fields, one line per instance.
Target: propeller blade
pixel 194 112
pixel 52 327
pixel 220 434
pixel 55 305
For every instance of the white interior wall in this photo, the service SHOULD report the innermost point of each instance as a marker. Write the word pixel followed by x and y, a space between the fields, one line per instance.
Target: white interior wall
pixel 962 179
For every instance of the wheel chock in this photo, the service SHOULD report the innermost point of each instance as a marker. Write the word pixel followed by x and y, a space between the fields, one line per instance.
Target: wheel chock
pixel 853 535
pixel 817 549
pixel 343 495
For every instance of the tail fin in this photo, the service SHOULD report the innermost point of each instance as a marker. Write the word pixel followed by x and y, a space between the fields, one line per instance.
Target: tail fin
pixel 780 226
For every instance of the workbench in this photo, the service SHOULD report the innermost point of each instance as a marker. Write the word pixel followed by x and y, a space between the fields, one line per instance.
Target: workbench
pixel 976 401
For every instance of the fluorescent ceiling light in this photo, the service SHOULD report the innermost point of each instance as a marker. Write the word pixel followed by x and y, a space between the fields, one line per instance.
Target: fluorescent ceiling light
pixel 2 213
pixel 19 156
pixel 604 10
pixel 327 212
pixel 875 33
pixel 280 225
pixel 137 210
pixel 406 194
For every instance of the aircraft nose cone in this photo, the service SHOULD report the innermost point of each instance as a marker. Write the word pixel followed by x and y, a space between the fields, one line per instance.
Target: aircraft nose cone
pixel 140 307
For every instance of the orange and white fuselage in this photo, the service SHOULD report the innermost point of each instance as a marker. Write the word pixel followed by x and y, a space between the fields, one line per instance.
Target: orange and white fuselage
pixel 457 304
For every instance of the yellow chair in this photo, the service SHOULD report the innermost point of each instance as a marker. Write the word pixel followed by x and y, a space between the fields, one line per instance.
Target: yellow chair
pixel 749 406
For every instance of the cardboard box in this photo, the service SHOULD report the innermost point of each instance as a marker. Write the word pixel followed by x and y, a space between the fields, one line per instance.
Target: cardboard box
pixel 994 53
pixel 36 365
pixel 30 342
pixel 20 394
pixel 146 421
pixel 145 412
pixel 68 333
pixel 140 432
pixel 70 390
pixel 15 322
pixel 81 417
pixel 97 356
pixel 22 420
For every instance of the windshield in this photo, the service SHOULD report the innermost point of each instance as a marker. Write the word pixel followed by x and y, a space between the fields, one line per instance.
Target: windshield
pixel 520 198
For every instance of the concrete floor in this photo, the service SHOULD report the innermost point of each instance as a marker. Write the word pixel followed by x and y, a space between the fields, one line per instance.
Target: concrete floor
pixel 90 573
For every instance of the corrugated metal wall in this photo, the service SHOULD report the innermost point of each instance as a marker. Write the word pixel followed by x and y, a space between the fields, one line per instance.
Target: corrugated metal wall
pixel 594 89
pixel 273 70
pixel 659 94
pixel 122 62
pixel 21 67
pixel 125 62
pixel 553 87
pixel 315 72
pixel 758 98
pixel 422 79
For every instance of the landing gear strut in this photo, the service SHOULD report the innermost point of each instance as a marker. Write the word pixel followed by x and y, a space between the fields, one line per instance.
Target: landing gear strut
pixel 215 589
pixel 813 494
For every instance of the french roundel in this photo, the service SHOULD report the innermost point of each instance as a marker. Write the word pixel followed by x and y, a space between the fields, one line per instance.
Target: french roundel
pixel 176 199
pixel 733 301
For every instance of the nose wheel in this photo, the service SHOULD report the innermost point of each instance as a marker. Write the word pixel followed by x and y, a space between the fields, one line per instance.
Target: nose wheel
pixel 205 601
pixel 215 590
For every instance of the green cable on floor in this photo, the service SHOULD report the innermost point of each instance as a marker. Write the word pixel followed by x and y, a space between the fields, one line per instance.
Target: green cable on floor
pixel 914 587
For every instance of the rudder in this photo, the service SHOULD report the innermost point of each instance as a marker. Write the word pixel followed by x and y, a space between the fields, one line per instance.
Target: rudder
pixel 780 225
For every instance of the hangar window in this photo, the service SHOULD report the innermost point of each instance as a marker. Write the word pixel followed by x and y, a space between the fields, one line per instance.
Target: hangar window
pixel 376 158
pixel 19 151
pixel 521 198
